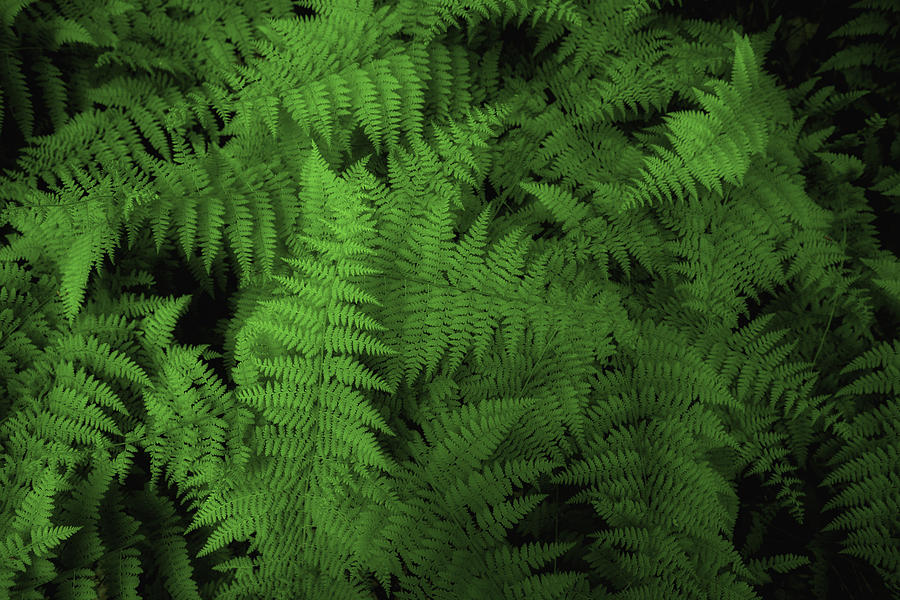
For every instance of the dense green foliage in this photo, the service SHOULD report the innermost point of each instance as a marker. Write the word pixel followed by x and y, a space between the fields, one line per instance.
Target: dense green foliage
pixel 438 299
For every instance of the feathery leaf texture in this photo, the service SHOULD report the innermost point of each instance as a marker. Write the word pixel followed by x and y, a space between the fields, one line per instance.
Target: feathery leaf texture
pixel 358 299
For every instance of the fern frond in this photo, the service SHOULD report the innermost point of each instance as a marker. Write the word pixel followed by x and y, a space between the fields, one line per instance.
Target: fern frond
pixel 718 143
pixel 452 469
pixel 868 502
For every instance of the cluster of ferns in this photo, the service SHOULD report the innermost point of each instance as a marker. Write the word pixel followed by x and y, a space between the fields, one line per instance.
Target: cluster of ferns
pixel 523 299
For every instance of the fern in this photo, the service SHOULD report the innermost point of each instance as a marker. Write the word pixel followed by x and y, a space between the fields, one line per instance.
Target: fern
pixel 701 150
pixel 518 298
pixel 868 467
pixel 452 471
pixel 328 330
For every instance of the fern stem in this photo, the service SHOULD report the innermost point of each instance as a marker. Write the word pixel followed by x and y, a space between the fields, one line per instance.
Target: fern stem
pixel 834 302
